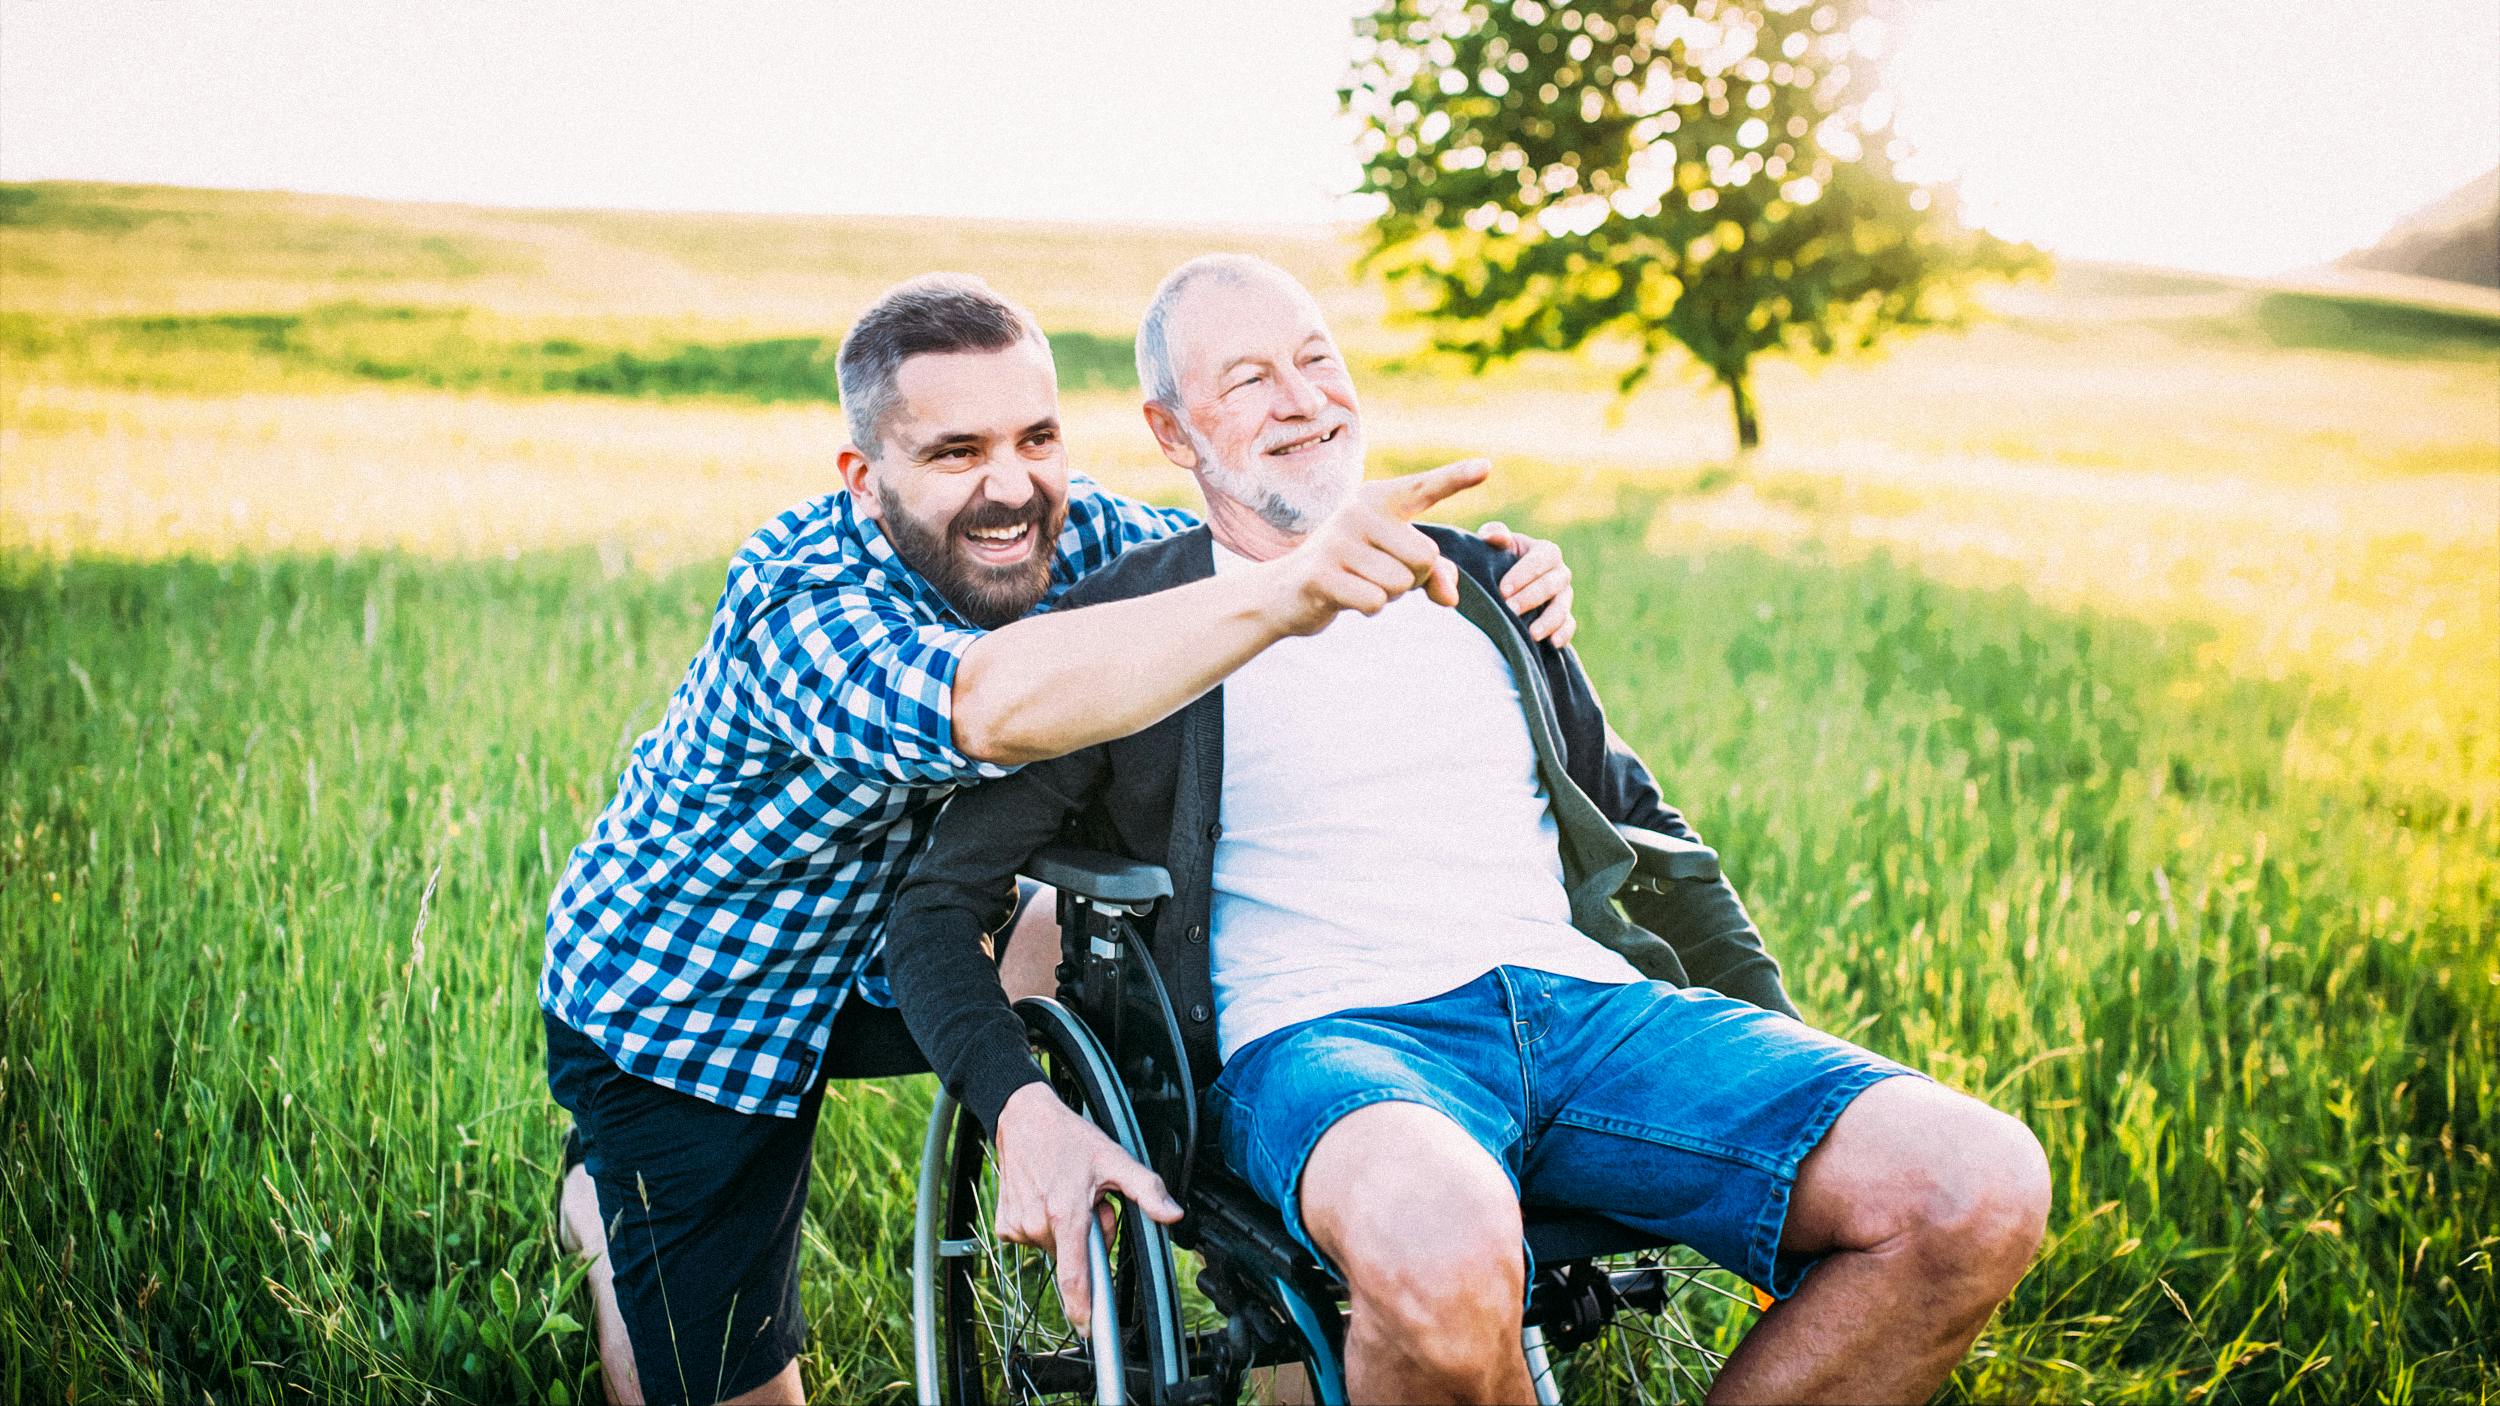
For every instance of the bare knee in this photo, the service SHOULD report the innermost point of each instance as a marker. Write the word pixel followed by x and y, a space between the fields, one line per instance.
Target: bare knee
pixel 1437 1261
pixel 1426 1229
pixel 1980 1211
pixel 2001 1206
pixel 1029 965
pixel 578 1216
pixel 1938 1180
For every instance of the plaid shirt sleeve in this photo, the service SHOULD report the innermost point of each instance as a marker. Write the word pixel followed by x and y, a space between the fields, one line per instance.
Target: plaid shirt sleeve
pixel 1103 524
pixel 851 675
pixel 852 679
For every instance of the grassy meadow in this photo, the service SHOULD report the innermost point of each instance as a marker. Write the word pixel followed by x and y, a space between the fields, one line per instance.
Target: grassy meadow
pixel 2098 706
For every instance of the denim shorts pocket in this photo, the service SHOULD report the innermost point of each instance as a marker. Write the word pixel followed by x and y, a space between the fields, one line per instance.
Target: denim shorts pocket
pixel 1236 1130
pixel 1681 1139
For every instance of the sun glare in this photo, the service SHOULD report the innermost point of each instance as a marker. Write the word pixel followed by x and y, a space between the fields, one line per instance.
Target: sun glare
pixel 2237 137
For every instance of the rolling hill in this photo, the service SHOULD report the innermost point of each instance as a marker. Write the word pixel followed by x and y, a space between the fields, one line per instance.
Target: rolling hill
pixel 2456 237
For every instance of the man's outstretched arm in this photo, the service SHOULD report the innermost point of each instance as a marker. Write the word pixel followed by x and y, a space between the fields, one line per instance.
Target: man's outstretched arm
pixel 1050 684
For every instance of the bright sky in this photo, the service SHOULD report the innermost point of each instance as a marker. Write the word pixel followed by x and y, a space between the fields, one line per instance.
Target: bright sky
pixel 2237 135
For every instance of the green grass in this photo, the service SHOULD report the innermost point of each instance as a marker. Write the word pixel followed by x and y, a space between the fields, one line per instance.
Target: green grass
pixel 276 1123
pixel 196 230
pixel 453 348
pixel 2375 327
pixel 276 832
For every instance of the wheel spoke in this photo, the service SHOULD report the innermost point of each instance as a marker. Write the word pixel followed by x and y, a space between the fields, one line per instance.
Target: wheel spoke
pixel 1631 1370
pixel 1659 1351
pixel 1671 1330
pixel 1011 1336
pixel 1708 1281
pixel 1029 1346
pixel 1002 1317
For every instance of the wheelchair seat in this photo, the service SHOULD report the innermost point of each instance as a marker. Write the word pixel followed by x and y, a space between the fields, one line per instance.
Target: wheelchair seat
pixel 1556 1235
pixel 1225 1207
pixel 1612 1312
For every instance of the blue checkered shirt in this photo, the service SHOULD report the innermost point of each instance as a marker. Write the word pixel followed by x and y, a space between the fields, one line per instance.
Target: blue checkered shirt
pixel 734 893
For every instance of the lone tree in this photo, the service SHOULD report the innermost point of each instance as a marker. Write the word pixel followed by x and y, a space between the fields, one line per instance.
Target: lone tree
pixel 1720 174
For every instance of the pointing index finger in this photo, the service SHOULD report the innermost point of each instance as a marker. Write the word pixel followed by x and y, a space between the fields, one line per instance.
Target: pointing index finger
pixel 1411 495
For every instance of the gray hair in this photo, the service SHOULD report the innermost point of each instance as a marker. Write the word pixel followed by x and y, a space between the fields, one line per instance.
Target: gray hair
pixel 1155 374
pixel 932 314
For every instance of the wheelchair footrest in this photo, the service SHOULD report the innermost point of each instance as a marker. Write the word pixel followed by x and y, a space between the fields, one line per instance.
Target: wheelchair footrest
pixel 1247 1230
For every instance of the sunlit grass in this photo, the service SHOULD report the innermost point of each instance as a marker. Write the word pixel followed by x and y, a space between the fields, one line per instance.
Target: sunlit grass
pixel 342 345
pixel 83 250
pixel 2101 708
pixel 272 1106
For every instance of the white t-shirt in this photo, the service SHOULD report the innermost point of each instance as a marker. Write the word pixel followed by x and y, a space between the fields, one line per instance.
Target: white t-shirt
pixel 1386 837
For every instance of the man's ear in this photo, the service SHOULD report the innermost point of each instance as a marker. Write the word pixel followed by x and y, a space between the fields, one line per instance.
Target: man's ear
pixel 856 477
pixel 1170 434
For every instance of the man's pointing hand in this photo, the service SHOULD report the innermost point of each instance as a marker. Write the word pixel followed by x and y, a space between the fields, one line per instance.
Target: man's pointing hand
pixel 1369 552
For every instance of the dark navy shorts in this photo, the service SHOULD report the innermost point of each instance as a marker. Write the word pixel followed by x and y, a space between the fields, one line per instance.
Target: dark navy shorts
pixel 1676 1111
pixel 702 1203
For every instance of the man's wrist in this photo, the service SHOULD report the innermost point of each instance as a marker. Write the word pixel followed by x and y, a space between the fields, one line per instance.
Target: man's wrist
pixel 1270 597
pixel 992 1083
pixel 1027 1102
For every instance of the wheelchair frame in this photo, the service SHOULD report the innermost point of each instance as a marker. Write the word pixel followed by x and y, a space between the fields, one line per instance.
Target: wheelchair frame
pixel 1112 1046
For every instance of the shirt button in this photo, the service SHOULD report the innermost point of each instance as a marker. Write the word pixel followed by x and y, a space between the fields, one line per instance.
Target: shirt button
pixel 1197 933
pixel 1198 1012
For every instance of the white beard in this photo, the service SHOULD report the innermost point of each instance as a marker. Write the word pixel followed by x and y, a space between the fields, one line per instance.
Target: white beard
pixel 1294 507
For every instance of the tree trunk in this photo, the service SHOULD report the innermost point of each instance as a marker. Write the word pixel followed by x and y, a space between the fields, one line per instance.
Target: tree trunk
pixel 1740 395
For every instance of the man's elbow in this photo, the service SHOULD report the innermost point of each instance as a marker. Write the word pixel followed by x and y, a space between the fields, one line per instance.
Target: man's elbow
pixel 986 711
pixel 988 735
pixel 975 736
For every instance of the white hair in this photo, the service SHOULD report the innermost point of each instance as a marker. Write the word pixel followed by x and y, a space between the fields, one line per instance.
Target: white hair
pixel 1155 373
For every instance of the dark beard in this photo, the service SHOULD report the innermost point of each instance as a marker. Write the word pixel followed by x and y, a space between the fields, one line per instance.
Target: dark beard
pixel 987 596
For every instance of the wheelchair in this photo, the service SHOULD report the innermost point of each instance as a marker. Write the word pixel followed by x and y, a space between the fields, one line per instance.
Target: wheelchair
pixel 1612 1314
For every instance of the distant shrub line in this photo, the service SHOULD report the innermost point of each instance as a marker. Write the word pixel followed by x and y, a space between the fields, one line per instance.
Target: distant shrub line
pixel 2406 330
pixel 445 349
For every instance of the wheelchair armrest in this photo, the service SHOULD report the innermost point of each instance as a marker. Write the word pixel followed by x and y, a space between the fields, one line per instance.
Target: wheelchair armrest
pixel 1661 858
pixel 1105 878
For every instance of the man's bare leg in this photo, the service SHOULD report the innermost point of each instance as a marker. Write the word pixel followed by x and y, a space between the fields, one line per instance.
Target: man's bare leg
pixel 1030 965
pixel 585 1236
pixel 1028 969
pixel 1930 1205
pixel 1425 1226
pixel 1285 1385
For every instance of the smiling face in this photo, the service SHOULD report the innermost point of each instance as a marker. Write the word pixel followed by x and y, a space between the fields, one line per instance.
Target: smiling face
pixel 969 479
pixel 1268 416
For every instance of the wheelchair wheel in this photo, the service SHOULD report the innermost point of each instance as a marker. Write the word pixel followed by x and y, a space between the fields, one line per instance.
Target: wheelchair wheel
pixel 988 1324
pixel 1654 1326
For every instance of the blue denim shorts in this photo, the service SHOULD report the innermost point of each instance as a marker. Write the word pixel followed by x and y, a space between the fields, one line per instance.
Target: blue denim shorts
pixel 1679 1112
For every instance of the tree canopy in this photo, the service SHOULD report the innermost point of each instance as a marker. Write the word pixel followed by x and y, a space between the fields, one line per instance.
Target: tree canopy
pixel 1716 174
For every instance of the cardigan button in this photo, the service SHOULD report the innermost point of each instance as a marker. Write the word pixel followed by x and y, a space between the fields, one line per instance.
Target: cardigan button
pixel 1197 933
pixel 1214 832
pixel 1198 1012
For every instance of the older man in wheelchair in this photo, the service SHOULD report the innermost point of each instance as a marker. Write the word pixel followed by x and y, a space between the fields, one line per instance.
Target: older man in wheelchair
pixel 1390 982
